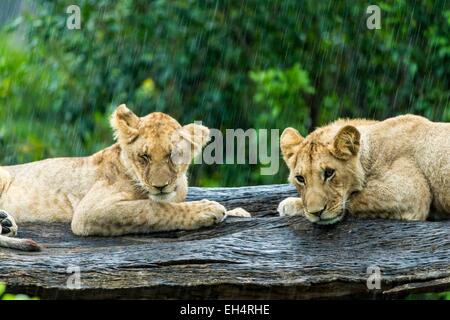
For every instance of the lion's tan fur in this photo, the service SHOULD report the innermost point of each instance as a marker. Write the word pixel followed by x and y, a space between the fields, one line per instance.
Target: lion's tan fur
pixel 398 168
pixel 116 191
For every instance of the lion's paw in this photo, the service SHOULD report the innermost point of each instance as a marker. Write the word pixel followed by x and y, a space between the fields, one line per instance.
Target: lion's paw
pixel 210 213
pixel 290 207
pixel 238 212
pixel 8 226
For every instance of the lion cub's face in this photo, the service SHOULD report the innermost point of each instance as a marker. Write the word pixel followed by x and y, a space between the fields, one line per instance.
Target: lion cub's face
pixel 157 150
pixel 325 170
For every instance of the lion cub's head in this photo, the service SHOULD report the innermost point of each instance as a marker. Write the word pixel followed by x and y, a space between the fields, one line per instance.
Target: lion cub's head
pixel 157 150
pixel 325 168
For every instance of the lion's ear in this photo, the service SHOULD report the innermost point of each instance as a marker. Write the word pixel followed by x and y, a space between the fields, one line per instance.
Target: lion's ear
pixel 125 124
pixel 192 138
pixel 346 143
pixel 197 135
pixel 289 143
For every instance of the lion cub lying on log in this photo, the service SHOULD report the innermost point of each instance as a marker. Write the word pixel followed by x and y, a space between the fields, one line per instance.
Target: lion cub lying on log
pixel 135 186
pixel 398 168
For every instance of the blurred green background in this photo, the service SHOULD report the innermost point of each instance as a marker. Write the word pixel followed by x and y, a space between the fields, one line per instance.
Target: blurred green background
pixel 233 64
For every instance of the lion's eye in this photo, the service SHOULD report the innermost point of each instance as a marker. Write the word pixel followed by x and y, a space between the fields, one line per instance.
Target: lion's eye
pixel 300 179
pixel 144 158
pixel 328 173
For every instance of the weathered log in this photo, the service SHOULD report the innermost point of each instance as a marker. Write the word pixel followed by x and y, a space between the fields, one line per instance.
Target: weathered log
pixel 260 257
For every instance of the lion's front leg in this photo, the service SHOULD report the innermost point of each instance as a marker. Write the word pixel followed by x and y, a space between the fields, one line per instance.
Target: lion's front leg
pixel 115 216
pixel 291 207
pixel 196 214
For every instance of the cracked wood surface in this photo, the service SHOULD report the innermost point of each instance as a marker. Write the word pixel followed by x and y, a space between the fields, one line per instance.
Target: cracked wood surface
pixel 260 257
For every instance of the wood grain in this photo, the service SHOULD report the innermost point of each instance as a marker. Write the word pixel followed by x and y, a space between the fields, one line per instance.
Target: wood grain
pixel 260 257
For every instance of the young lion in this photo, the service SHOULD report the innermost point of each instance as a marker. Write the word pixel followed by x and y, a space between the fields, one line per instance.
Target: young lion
pixel 398 168
pixel 138 185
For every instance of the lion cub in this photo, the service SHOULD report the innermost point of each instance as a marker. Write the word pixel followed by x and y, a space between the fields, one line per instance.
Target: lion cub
pixel 398 169
pixel 138 185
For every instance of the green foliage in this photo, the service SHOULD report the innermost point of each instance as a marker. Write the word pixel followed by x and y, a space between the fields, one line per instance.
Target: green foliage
pixel 232 64
pixel 32 125
pixel 8 296
pixel 429 296
pixel 278 90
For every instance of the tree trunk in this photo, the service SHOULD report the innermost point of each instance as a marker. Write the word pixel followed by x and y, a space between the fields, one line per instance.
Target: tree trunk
pixel 265 256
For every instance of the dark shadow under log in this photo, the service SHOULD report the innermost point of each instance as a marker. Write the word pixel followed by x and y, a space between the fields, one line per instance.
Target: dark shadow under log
pixel 260 257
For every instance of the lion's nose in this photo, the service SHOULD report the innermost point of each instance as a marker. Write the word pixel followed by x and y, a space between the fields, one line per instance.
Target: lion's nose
pixel 316 212
pixel 160 187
